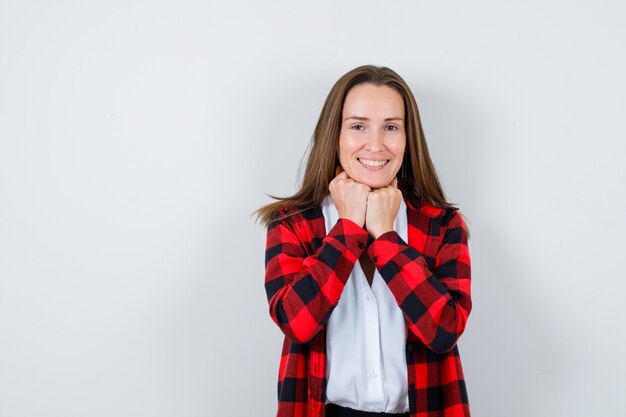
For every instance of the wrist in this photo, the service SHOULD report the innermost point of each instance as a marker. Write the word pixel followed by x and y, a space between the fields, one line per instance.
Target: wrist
pixel 379 232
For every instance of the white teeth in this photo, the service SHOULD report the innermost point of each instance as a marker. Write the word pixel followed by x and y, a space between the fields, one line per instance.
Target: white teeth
pixel 372 163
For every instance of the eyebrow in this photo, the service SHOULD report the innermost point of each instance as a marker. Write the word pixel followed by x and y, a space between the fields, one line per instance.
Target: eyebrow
pixel 365 118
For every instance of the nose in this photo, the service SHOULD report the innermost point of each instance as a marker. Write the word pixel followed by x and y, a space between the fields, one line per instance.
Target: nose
pixel 375 142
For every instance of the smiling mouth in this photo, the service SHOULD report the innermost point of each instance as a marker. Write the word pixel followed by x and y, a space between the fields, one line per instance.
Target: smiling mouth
pixel 370 163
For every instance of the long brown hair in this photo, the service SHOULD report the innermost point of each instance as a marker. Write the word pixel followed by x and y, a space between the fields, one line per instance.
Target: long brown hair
pixel 417 175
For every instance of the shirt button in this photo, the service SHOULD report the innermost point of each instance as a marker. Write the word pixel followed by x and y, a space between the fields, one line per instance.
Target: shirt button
pixel 369 297
pixel 410 348
pixel 374 374
pixel 361 245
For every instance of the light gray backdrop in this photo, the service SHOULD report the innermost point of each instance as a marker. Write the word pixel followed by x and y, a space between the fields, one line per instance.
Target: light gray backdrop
pixel 137 137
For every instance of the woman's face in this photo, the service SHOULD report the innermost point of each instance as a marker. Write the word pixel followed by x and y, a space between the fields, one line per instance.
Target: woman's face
pixel 372 138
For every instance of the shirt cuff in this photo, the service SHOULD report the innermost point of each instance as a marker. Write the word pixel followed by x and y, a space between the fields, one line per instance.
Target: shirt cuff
pixel 353 236
pixel 386 247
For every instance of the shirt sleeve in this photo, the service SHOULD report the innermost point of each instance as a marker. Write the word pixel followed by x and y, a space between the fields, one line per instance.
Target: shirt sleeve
pixel 303 290
pixel 437 303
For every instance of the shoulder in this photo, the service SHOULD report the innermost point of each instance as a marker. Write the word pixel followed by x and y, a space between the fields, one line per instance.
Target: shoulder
pixel 434 219
pixel 425 209
pixel 291 214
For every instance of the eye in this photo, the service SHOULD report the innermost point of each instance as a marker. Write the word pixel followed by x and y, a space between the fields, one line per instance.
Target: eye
pixel 394 127
pixel 356 126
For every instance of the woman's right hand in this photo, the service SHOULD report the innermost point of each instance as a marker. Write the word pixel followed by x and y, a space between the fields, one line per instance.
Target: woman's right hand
pixel 349 196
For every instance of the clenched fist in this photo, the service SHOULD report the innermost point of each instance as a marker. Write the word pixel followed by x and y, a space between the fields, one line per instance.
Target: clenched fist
pixel 349 196
pixel 382 208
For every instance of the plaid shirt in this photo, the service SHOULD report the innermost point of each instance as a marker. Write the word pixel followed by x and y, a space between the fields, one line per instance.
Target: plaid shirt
pixel 306 269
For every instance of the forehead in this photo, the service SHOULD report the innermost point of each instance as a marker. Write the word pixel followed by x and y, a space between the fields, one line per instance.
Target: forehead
pixel 368 100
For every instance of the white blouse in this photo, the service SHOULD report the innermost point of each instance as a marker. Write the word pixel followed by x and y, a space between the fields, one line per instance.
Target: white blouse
pixel 365 340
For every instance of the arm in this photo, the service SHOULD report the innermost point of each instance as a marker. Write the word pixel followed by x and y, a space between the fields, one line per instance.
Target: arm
pixel 303 290
pixel 437 303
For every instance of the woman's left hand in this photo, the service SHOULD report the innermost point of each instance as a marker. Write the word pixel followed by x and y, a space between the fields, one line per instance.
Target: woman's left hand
pixel 382 208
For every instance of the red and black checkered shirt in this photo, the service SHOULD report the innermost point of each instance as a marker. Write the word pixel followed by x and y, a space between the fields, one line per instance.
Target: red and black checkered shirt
pixel 306 268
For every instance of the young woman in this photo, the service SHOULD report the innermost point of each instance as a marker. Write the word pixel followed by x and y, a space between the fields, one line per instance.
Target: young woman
pixel 367 268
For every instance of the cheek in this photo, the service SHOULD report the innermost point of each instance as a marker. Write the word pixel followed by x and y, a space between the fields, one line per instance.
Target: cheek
pixel 342 151
pixel 399 148
pixel 346 148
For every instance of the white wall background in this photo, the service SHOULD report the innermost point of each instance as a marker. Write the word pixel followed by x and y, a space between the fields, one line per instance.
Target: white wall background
pixel 137 137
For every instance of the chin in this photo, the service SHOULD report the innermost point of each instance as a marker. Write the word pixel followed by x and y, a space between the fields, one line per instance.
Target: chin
pixel 372 181
pixel 375 184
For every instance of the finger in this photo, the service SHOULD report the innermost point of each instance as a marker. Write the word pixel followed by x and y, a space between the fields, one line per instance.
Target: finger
pixel 341 176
